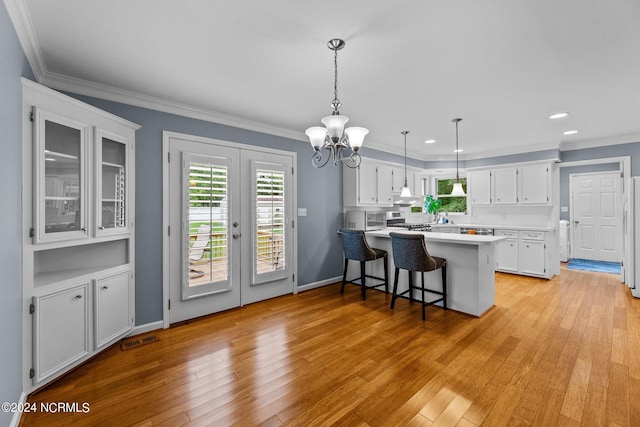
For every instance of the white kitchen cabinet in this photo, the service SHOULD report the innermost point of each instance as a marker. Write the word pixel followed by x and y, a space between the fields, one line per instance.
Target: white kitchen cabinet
pixel 507 251
pixel 479 187
pixel 505 189
pixel 534 185
pixel 371 184
pixel 113 308
pixel 522 252
pixel 414 181
pixel 77 209
pixel 60 330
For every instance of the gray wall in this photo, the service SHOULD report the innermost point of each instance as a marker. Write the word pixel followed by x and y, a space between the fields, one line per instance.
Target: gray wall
pixel 319 190
pixel 620 150
pixel 13 65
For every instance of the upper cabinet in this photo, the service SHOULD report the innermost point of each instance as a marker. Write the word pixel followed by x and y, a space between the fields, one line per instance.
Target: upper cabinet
pixel 111 183
pixel 522 185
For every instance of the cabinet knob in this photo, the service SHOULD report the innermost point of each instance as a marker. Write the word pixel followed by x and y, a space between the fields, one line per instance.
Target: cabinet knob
pixel 101 228
pixel 84 229
pixel 105 287
pixel 78 296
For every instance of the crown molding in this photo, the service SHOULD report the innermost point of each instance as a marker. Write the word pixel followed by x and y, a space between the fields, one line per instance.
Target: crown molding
pixel 599 142
pixel 19 15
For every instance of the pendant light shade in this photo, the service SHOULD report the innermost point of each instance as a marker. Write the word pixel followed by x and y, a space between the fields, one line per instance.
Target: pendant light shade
pixel 457 186
pixel 406 191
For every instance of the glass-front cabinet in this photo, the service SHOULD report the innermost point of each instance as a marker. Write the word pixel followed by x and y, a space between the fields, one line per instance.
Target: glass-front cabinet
pixel 111 184
pixel 60 178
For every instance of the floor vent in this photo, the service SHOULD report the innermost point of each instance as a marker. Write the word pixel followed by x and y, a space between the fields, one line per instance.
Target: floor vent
pixel 137 342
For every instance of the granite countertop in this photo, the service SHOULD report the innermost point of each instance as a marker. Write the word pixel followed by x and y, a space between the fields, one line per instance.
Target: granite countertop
pixel 433 236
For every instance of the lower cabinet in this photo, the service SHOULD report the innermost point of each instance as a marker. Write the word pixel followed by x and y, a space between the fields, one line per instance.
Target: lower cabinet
pixel 522 252
pixel 64 319
pixel 61 330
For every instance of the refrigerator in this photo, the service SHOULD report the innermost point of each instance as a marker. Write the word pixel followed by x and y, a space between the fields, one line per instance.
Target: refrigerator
pixel 630 224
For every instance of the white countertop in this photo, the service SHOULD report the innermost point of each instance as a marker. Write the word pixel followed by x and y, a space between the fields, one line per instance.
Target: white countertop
pixel 433 236
pixel 495 227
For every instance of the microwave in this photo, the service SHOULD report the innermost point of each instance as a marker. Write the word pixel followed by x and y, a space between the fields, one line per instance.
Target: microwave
pixel 365 220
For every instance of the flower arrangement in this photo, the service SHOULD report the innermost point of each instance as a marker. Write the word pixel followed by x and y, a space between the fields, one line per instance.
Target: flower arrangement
pixel 431 204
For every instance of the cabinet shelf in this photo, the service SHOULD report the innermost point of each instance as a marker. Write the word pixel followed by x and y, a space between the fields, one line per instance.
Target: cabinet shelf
pixel 113 165
pixel 61 155
pixel 50 278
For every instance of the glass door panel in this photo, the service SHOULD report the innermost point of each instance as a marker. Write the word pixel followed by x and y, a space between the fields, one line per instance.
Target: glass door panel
pixel 207 225
pixel 60 178
pixel 112 175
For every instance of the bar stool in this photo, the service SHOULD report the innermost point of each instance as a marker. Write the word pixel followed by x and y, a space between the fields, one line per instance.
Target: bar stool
pixel 356 248
pixel 410 253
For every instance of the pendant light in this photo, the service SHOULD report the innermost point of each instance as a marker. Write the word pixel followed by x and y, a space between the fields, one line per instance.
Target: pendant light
pixel 406 191
pixel 334 137
pixel 457 187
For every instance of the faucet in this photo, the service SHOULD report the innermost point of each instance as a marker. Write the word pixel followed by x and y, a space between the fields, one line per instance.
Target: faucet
pixel 439 216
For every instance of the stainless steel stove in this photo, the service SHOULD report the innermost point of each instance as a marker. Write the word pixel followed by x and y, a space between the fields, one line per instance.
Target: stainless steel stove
pixel 396 219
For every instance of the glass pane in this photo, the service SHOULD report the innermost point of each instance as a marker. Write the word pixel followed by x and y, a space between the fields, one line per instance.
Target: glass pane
pixel 62 178
pixel 208 224
pixel 113 184
pixel 270 230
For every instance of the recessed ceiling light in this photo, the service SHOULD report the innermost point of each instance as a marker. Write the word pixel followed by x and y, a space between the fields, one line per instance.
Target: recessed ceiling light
pixel 570 132
pixel 558 115
pixel 430 141
pixel 459 150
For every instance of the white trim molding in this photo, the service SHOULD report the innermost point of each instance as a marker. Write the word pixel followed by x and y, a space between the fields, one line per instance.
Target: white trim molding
pixel 319 284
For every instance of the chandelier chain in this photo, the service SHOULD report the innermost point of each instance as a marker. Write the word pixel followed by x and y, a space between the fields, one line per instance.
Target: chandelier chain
pixel 336 101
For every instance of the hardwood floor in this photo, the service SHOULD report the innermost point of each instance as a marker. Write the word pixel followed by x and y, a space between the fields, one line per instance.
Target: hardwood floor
pixel 559 352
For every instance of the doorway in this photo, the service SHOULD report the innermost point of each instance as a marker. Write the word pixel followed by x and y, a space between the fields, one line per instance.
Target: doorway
pixel 230 226
pixel 596 223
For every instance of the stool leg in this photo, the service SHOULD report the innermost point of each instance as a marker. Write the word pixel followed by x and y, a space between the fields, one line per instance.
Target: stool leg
pixel 444 286
pixel 344 275
pixel 362 282
pixel 410 273
pixel 423 301
pixel 395 288
pixel 386 275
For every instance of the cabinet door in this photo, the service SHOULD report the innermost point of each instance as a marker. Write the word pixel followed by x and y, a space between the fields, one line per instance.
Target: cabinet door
pixel 480 187
pixel 60 193
pixel 385 191
pixel 397 179
pixel 112 190
pixel 60 330
pixel 505 189
pixel 367 184
pixel 112 308
pixel 507 255
pixel 534 185
pixel 532 255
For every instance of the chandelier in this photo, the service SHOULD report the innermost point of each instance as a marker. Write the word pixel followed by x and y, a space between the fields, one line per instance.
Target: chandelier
pixel 334 137
pixel 457 186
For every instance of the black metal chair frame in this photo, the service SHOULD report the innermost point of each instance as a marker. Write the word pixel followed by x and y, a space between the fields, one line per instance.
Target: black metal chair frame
pixel 373 254
pixel 422 288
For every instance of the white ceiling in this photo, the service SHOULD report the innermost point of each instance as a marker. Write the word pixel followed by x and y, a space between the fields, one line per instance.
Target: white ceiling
pixel 502 65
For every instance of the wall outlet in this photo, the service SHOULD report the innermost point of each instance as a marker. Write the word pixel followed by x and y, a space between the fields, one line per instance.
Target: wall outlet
pixel 564 209
pixel 302 211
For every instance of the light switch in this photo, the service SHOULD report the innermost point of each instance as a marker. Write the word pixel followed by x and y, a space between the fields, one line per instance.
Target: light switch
pixel 302 211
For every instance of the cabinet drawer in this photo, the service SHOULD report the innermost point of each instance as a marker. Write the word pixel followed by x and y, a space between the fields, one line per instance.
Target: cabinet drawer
pixel 506 233
pixel 532 235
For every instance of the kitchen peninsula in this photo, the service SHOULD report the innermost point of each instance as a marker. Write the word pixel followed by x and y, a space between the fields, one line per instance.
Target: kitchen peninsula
pixel 470 267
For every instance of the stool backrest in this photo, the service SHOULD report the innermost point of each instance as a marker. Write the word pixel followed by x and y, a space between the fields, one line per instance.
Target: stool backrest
pixel 355 245
pixel 410 252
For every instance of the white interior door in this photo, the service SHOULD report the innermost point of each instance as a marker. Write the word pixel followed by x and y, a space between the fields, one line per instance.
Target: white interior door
pixel 596 216
pixel 231 239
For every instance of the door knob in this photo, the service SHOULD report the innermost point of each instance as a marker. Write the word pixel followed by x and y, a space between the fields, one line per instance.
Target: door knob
pixel 236 235
pixel 576 222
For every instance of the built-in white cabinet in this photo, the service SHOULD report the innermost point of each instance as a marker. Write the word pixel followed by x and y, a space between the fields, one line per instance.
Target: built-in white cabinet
pixel 371 184
pixel 523 252
pixel 60 330
pixel 505 189
pixel 521 185
pixel 479 187
pixel 78 244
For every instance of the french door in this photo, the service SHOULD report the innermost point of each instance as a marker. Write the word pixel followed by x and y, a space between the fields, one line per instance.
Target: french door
pixel 231 232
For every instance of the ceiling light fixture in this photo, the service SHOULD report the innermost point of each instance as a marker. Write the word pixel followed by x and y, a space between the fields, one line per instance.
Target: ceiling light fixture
pixel 334 137
pixel 457 186
pixel 558 115
pixel 406 191
pixel 570 132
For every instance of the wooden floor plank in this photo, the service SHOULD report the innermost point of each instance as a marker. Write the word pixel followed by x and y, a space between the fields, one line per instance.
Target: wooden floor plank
pixel 551 352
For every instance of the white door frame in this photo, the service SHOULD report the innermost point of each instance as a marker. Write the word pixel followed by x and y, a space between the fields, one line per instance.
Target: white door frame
pixel 166 138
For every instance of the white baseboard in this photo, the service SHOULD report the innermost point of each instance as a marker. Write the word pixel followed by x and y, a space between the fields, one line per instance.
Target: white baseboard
pixel 141 329
pixel 319 284
pixel 15 421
